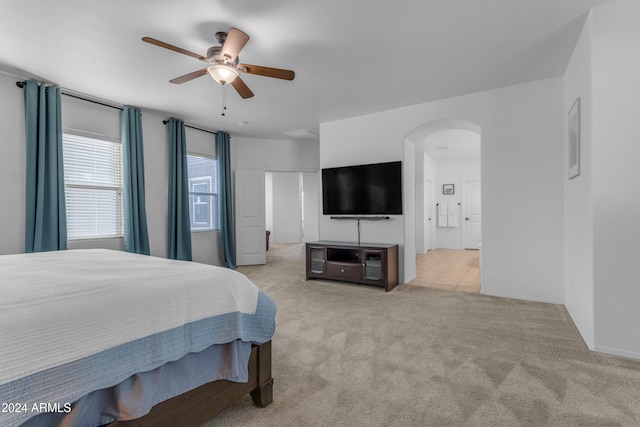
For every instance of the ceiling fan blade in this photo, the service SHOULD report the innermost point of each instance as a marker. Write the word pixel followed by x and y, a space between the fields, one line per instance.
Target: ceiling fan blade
pixel 173 48
pixel 234 43
pixel 241 87
pixel 190 76
pixel 277 73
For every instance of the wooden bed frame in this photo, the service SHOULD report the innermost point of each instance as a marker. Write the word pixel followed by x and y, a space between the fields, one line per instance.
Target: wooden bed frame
pixel 198 406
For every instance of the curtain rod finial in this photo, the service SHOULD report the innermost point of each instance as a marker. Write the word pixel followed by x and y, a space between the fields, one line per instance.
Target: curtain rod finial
pixel 20 84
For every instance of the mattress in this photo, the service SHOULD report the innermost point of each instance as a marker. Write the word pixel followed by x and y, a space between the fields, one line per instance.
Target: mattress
pixel 72 322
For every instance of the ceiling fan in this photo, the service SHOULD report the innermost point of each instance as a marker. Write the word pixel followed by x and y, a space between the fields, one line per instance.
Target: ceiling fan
pixel 223 62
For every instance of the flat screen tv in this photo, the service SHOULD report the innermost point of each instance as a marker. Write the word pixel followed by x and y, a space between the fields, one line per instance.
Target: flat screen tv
pixel 374 189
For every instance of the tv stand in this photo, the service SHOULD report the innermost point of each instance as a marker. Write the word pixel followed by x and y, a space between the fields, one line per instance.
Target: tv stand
pixel 368 264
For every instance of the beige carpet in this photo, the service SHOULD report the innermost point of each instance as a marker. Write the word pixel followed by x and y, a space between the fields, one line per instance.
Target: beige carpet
pixel 349 355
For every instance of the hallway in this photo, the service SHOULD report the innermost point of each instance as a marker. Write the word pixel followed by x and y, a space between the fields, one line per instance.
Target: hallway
pixel 450 269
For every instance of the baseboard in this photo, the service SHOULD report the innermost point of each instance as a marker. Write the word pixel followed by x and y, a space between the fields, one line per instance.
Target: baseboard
pixel 617 352
pixel 406 282
pixel 520 297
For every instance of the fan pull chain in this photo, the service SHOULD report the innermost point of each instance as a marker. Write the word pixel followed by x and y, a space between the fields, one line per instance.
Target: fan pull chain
pixel 224 100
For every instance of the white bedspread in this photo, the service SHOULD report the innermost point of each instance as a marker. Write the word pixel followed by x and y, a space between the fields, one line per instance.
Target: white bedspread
pixel 50 314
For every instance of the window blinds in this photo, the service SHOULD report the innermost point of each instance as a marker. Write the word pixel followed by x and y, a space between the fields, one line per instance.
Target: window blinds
pixel 93 186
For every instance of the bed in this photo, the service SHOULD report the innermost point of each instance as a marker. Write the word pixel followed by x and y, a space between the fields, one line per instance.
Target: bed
pixel 100 337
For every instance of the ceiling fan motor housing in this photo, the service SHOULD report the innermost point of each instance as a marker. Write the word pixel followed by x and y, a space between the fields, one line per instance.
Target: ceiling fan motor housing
pixel 214 56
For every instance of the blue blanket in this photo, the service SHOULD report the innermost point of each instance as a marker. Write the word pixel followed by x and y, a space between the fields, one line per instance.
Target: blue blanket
pixel 58 387
pixel 138 312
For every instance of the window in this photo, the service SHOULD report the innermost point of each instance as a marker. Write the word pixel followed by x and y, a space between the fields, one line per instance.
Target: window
pixel 203 192
pixel 93 187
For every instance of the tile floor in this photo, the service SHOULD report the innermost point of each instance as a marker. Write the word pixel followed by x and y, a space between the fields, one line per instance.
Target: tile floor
pixel 457 270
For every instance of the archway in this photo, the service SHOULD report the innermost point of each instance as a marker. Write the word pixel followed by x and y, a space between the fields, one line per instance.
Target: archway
pixel 425 146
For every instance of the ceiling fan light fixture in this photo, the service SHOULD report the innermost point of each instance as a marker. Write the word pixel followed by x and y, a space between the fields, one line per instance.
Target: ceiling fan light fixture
pixel 223 73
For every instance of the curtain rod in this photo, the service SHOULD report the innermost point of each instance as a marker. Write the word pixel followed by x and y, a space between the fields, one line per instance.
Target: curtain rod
pixel 193 127
pixel 21 85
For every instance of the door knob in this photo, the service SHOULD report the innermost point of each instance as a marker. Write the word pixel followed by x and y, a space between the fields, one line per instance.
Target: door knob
pixel 466 219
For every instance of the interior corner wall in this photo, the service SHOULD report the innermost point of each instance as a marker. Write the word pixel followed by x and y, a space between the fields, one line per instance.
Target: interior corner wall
pixel 522 129
pixel 578 199
pixel 615 93
pixel 12 167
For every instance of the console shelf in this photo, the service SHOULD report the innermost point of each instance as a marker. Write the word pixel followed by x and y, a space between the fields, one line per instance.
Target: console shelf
pixel 368 264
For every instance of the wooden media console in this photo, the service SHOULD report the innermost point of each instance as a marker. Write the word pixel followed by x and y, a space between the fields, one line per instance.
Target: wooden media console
pixel 368 264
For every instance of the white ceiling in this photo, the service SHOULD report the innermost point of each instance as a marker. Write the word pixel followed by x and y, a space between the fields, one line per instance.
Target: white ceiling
pixel 350 57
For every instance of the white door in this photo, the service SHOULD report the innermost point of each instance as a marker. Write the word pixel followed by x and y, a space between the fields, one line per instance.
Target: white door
pixel 429 212
pixel 471 212
pixel 250 217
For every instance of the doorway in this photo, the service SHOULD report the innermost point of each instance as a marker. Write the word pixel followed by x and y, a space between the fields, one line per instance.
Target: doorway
pixel 447 182
pixel 449 269
pixel 291 206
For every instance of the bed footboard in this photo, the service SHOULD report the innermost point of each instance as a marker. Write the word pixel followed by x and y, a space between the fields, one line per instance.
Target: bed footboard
pixel 203 403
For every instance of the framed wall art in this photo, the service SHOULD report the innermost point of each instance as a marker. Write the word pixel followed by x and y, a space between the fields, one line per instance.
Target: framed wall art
pixel 447 189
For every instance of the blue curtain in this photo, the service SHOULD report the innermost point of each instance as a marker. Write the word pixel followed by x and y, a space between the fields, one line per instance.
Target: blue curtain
pixel 45 214
pixel 136 237
pixel 225 202
pixel 179 222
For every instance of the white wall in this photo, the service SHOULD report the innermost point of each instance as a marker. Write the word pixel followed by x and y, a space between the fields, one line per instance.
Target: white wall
pixel 578 202
pixel 275 155
pixel 616 176
pixel 156 182
pixel 311 206
pixel 287 207
pixel 522 129
pixel 12 167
